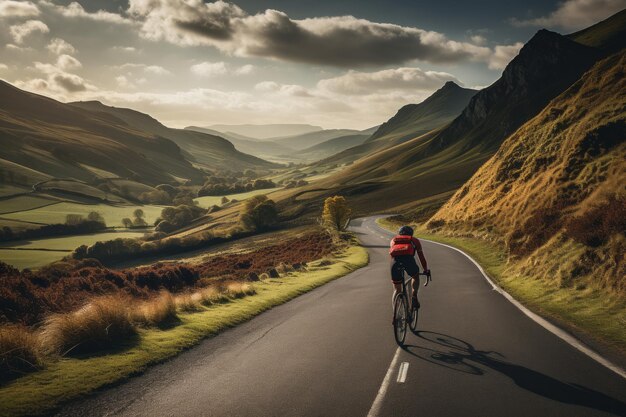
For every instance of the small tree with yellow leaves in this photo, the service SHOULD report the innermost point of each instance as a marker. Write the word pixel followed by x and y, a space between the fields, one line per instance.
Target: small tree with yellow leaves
pixel 336 213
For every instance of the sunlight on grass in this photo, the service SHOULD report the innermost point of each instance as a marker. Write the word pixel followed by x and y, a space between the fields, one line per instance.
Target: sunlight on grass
pixel 71 377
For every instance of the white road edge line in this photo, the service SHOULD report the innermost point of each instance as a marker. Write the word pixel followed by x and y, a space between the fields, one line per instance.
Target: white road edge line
pixel 378 401
pixel 404 369
pixel 555 330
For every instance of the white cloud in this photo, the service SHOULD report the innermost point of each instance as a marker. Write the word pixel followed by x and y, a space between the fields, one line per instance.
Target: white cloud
pixel 156 70
pixel 575 14
pixel 16 48
pixel 337 41
pixel 59 46
pixel 124 82
pixel 410 79
pixel 75 10
pixel 3 67
pixel 209 69
pixel 66 62
pixel 21 31
pixel 478 39
pixel 10 8
pixel 125 48
pixel 503 54
pixel 245 70
pixel 283 89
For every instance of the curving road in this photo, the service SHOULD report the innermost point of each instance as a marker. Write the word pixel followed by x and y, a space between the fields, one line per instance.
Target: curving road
pixel 331 352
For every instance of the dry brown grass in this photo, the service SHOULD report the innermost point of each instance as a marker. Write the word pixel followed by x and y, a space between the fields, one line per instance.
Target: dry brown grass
pixel 189 302
pixel 20 352
pixel 103 323
pixel 156 311
pixel 212 295
pixel 237 289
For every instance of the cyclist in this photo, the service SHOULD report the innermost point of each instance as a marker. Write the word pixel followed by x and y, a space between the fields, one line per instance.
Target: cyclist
pixel 403 249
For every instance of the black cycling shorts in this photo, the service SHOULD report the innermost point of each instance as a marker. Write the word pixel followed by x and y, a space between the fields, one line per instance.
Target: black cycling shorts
pixel 406 263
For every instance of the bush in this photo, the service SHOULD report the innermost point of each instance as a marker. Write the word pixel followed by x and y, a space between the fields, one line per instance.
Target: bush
pixel 597 225
pixel 101 324
pixel 19 352
pixel 189 302
pixel 156 311
pixel 259 213
pixel 336 213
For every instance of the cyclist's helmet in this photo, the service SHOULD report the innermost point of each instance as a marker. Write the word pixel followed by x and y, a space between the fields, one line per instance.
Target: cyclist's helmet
pixel 406 231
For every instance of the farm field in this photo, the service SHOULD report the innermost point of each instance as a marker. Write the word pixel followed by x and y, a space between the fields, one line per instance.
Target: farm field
pixel 56 213
pixel 24 202
pixel 56 248
pixel 209 201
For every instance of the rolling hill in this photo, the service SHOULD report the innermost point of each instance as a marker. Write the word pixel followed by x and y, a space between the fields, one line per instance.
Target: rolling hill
pixel 331 147
pixel 203 149
pixel 51 139
pixel 411 121
pixel 555 192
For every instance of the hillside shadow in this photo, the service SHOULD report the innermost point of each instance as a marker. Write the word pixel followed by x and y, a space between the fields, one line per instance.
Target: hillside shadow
pixel 376 246
pixel 460 356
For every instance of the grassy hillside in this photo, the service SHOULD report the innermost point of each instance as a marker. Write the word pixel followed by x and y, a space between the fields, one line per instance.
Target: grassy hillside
pixel 555 192
pixel 608 35
pixel 266 131
pixel 411 121
pixel 306 140
pixel 206 150
pixel 44 138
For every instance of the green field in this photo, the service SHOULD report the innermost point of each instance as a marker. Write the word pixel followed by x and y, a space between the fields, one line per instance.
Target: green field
pixel 24 202
pixel 113 215
pixel 56 246
pixel 7 190
pixel 209 201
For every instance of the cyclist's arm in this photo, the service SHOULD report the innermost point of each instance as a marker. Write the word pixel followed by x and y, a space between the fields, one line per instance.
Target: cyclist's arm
pixel 420 253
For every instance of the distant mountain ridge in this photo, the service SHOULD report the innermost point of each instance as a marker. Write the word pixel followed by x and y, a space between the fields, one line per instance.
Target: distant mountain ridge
pixel 266 131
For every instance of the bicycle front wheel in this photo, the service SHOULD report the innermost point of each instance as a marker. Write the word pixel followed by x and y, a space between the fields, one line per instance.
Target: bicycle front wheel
pixel 400 318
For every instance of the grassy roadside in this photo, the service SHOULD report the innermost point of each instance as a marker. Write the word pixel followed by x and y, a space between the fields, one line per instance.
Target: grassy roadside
pixel 68 378
pixel 590 314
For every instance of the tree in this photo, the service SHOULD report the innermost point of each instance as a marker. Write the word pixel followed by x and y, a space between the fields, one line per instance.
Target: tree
pixel 94 216
pixel 128 223
pixel 336 213
pixel 259 213
pixel 139 221
pixel 138 213
pixel 73 219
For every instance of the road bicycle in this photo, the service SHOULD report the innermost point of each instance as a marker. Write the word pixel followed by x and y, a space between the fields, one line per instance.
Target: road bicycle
pixel 404 311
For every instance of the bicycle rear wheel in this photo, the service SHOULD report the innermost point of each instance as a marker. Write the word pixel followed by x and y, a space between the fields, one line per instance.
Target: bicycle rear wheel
pixel 400 318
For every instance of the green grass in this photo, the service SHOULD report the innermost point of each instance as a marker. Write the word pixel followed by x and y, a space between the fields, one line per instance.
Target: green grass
pixel 113 215
pixel 24 202
pixel 71 377
pixel 209 201
pixel 589 313
pixel 36 258
pixel 8 190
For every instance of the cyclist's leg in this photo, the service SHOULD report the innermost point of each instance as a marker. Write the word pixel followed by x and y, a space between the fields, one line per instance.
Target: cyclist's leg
pixel 396 278
pixel 413 270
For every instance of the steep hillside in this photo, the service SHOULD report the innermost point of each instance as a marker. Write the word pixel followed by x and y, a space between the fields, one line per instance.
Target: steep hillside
pixel 411 121
pixel 555 192
pixel 206 150
pixel 53 139
pixel 438 162
pixel 608 35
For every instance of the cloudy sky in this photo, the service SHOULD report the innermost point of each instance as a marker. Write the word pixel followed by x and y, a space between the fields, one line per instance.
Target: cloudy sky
pixel 332 63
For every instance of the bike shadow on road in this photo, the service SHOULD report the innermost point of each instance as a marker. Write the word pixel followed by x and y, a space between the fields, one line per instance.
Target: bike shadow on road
pixel 460 356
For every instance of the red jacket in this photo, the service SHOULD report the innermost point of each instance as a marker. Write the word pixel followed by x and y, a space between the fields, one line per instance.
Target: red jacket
pixel 417 248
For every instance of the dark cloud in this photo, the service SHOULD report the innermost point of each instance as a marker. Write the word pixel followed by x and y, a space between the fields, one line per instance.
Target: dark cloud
pixel 69 82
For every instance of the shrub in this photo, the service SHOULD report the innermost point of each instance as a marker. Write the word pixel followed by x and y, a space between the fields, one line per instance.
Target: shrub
pixel 598 224
pixel 259 213
pixel 212 295
pixel 273 273
pixel 101 324
pixel 239 289
pixel 189 302
pixel 156 311
pixel 336 213
pixel 19 352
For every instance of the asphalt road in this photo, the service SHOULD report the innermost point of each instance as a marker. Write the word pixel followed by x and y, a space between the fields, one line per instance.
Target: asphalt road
pixel 331 352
